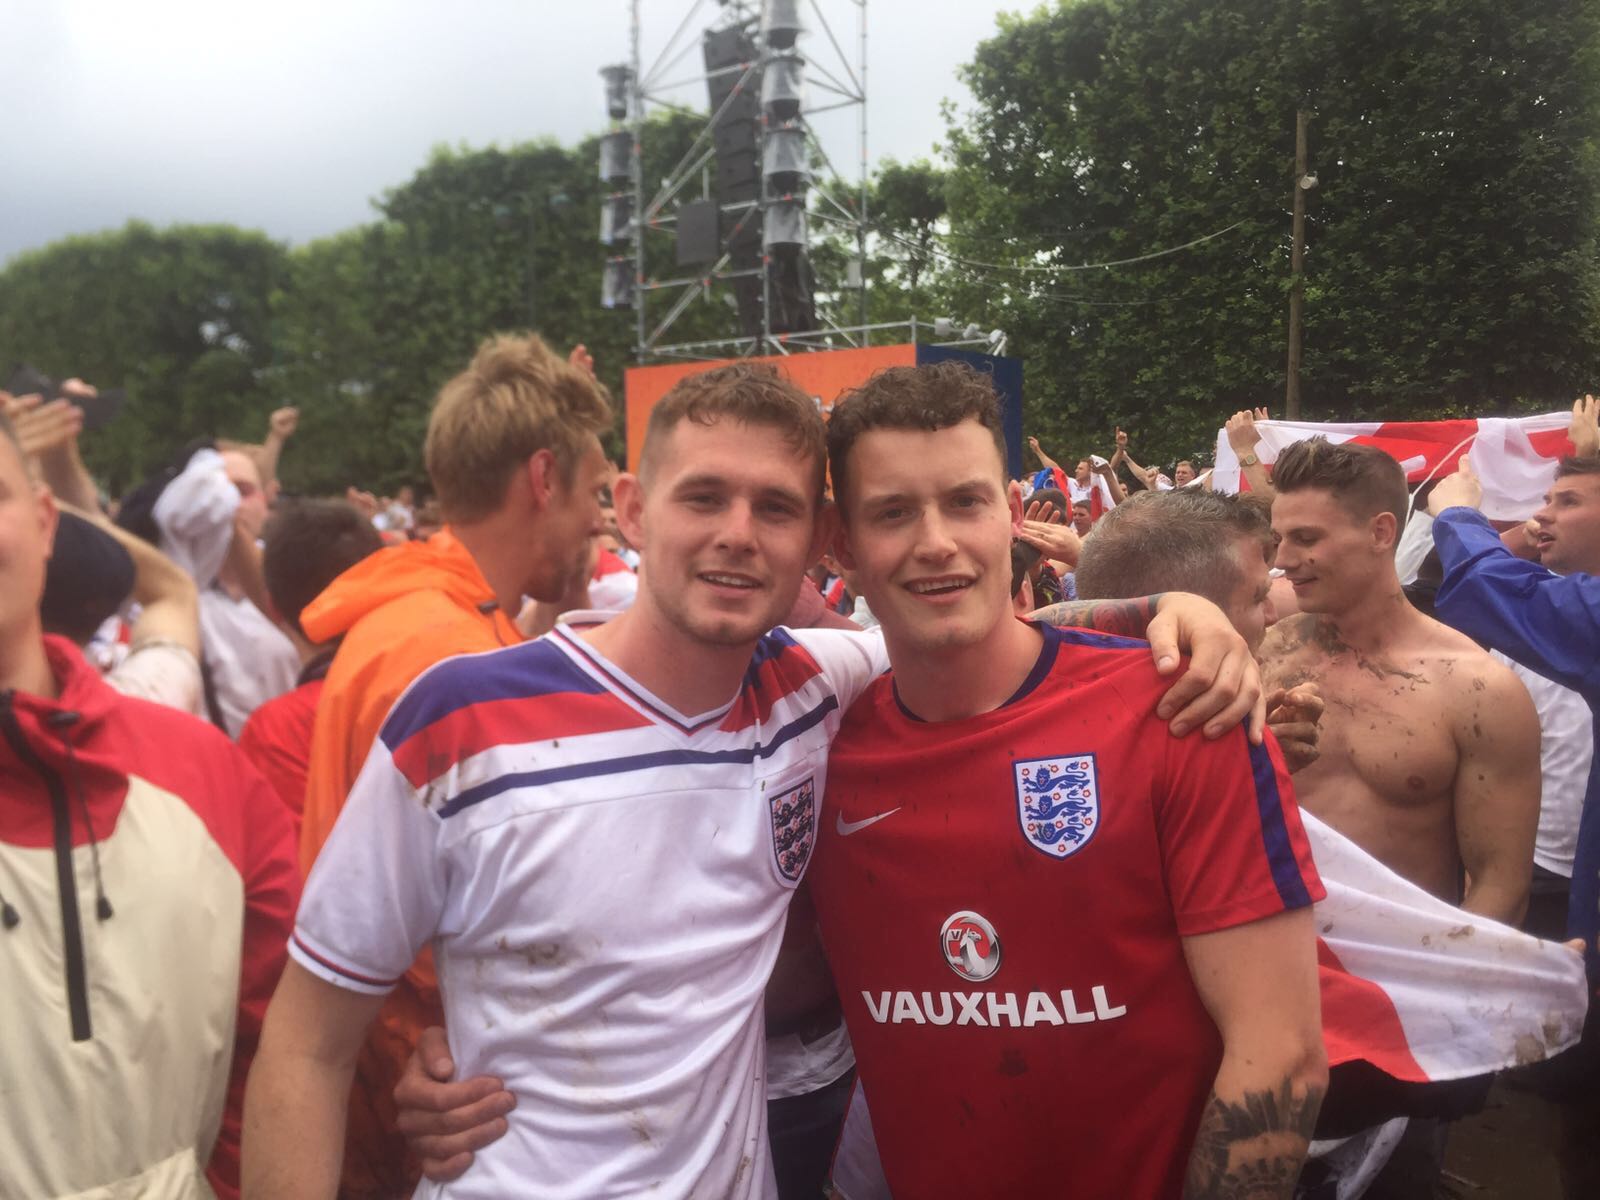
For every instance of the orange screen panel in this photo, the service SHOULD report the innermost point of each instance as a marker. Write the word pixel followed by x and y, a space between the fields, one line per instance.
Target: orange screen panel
pixel 825 374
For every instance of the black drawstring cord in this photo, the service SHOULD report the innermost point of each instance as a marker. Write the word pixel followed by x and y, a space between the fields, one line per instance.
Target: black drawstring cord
pixel 64 720
pixel 9 917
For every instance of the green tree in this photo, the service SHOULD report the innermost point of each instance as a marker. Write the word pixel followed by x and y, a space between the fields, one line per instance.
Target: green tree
pixel 180 317
pixel 1451 259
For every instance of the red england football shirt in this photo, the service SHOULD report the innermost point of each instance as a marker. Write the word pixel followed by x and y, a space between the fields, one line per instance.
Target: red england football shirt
pixel 1003 901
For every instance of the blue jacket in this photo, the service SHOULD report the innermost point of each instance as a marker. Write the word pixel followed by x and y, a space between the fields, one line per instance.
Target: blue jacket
pixel 1549 623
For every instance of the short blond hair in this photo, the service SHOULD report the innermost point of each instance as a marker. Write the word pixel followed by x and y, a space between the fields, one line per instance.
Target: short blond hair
pixel 515 398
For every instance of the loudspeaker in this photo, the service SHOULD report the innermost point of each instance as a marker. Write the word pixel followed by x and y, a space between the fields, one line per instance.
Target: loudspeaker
pixel 697 233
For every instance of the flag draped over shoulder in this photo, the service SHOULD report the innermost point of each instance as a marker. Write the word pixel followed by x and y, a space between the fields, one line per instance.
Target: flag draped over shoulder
pixel 1514 457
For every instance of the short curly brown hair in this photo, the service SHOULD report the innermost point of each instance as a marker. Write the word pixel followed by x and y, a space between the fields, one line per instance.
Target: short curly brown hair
pixel 750 393
pixel 931 397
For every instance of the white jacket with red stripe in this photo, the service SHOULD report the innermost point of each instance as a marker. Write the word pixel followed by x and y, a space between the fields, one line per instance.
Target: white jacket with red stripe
pixel 148 883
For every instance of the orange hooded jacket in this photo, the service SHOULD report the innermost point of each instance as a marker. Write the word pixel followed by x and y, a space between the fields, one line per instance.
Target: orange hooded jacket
pixel 400 610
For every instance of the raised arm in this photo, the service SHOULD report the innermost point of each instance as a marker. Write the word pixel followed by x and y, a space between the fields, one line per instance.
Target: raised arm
pixel 1259 984
pixel 169 606
pixel 1497 794
pixel 280 428
pixel 48 434
pixel 1244 437
pixel 294 1109
pixel 1108 472
pixel 1045 459
pixel 1550 623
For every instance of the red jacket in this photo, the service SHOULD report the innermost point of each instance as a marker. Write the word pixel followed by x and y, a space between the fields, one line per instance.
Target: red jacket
pixel 149 883
pixel 277 737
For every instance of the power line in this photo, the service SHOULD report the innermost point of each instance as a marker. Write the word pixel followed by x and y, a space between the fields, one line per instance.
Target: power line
pixel 1119 262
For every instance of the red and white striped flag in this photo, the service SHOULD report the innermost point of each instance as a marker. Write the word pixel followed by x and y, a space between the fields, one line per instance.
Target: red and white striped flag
pixel 1514 457
pixel 1425 991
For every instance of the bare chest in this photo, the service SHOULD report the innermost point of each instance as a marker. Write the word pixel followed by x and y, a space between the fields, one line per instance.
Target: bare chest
pixel 1386 733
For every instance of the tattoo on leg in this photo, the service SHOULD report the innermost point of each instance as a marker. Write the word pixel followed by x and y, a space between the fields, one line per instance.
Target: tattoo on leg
pixel 1251 1147
pixel 1126 618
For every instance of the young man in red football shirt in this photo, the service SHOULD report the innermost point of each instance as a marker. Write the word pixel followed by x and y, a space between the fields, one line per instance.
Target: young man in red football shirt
pixel 1075 954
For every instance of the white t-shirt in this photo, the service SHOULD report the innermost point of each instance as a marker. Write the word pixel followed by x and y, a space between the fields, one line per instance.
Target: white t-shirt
pixel 249 658
pixel 604 881
pixel 1566 747
pixel 162 672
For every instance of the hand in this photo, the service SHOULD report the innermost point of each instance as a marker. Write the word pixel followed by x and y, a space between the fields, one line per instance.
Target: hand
pixel 1522 540
pixel 1040 511
pixel 1294 717
pixel 364 503
pixel 1459 490
pixel 1222 685
pixel 281 424
pixel 1585 428
pixel 1104 468
pixel 46 428
pixel 1122 440
pixel 1242 433
pixel 445 1122
pixel 1053 540
pixel 582 359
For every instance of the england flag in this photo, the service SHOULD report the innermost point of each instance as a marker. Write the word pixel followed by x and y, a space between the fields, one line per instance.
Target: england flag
pixel 1514 457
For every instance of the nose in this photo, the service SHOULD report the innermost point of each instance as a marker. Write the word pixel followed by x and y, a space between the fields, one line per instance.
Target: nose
pixel 737 528
pixel 934 543
pixel 1545 516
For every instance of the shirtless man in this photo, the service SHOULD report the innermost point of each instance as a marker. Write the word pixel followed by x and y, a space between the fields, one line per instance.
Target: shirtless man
pixel 1429 748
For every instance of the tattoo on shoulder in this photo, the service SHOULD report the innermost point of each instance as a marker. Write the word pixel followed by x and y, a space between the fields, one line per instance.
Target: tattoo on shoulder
pixel 1252 1147
pixel 1126 618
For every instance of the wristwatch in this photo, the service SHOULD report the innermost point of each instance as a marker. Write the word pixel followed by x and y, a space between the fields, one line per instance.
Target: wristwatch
pixel 1249 460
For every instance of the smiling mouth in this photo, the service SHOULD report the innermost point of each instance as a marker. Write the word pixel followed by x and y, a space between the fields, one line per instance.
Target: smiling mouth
pixel 718 579
pixel 938 587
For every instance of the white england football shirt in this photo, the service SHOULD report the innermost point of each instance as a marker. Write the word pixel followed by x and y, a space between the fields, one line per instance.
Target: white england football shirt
pixel 604 881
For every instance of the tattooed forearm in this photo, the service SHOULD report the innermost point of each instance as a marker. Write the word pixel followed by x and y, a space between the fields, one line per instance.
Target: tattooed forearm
pixel 1127 618
pixel 1251 1146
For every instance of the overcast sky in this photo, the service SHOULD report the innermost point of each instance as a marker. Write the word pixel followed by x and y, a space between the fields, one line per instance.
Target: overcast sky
pixel 290 116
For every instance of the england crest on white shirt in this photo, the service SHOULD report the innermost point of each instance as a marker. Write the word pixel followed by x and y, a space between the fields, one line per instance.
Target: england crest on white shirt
pixel 794 827
pixel 1058 803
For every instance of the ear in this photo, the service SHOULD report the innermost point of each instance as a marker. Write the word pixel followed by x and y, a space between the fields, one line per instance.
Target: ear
pixel 842 549
pixel 1014 502
pixel 1385 531
pixel 826 533
pixel 627 498
pixel 544 477
pixel 49 517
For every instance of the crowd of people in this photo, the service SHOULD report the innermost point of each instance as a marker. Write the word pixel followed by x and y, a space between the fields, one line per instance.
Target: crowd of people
pixel 577 832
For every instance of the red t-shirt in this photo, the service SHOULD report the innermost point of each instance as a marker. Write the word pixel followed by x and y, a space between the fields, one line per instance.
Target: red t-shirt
pixel 1003 901
pixel 277 737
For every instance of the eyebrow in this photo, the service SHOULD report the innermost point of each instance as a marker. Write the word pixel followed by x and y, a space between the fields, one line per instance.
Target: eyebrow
pixel 978 484
pixel 767 491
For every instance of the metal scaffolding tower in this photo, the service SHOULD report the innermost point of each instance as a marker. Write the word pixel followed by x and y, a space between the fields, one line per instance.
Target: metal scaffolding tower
pixel 747 235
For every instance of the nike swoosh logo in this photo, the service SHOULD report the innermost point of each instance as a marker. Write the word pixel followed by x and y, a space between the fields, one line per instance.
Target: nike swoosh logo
pixel 846 828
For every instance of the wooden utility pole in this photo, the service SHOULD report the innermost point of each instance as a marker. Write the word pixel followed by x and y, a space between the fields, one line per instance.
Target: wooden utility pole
pixel 1291 398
